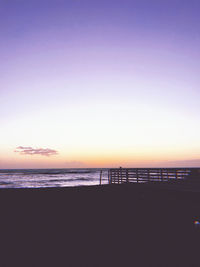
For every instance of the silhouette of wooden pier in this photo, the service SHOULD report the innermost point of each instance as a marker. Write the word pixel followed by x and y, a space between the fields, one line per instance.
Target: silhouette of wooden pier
pixel 142 175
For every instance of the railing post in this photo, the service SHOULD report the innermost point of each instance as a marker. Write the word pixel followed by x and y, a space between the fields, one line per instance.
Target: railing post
pixel 176 174
pixel 120 173
pixel 127 178
pixel 100 177
pixel 137 175
pixel 161 173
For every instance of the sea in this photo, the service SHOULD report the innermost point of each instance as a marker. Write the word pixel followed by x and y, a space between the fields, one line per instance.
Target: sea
pixel 37 178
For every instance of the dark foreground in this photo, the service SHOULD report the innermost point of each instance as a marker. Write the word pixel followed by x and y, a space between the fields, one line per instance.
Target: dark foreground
pixel 135 225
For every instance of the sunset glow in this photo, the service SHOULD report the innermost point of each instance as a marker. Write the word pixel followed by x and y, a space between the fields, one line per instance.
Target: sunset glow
pixel 99 83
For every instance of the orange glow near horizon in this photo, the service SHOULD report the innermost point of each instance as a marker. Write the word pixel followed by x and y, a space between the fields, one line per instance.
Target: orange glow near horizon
pixel 104 160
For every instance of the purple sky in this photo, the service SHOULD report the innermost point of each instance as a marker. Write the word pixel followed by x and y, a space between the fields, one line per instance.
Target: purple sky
pixel 113 57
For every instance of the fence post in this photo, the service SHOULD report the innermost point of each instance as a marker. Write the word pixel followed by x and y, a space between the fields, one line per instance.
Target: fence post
pixel 176 174
pixel 137 175
pixel 100 177
pixel 127 178
pixel 161 172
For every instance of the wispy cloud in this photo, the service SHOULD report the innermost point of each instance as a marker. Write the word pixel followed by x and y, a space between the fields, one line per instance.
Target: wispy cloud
pixel 36 151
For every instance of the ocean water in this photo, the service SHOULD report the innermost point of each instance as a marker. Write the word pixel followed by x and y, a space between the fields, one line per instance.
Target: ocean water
pixel 36 178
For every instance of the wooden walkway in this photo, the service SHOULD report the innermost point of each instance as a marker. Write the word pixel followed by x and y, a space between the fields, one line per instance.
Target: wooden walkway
pixel 141 175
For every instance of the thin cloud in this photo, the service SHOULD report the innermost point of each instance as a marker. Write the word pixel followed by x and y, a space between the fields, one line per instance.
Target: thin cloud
pixel 35 151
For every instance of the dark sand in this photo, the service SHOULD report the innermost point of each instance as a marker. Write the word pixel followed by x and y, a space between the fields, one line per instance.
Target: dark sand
pixel 111 225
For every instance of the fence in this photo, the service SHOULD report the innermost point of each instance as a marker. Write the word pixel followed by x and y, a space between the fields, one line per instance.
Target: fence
pixel 140 175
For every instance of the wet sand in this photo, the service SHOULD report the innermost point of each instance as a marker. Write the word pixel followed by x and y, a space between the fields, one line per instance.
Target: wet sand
pixel 110 225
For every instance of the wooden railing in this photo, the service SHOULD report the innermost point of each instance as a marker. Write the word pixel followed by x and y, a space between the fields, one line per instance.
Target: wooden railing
pixel 140 175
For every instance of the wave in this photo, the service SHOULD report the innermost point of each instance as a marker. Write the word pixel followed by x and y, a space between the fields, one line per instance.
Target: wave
pixel 26 178
pixel 47 171
pixel 5 183
pixel 70 180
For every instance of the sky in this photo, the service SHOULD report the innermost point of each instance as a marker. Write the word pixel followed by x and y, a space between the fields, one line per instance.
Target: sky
pixel 110 83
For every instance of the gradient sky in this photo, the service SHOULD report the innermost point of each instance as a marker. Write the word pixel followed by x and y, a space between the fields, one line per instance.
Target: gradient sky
pixel 103 83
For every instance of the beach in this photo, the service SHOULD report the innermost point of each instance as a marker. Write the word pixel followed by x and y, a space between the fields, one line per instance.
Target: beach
pixel 108 225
